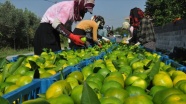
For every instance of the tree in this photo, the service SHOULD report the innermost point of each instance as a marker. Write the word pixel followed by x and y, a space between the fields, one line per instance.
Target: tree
pixel 17 25
pixel 165 11
pixel 120 31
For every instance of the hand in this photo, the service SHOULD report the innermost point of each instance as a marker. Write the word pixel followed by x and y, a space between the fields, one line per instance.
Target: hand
pixel 129 38
pixel 105 39
pixel 137 44
pixel 76 39
pixel 127 41
pixel 99 44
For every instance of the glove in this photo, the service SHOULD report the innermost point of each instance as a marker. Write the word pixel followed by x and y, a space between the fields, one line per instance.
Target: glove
pixel 100 46
pixel 137 44
pixel 76 39
pixel 105 39
pixel 129 38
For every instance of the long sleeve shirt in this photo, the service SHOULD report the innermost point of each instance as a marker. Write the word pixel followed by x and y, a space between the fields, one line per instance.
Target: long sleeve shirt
pixel 146 31
pixel 103 32
pixel 63 11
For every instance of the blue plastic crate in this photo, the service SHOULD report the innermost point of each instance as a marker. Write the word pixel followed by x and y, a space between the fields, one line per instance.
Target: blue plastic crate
pixel 182 68
pixel 27 92
pixel 68 70
pixel 176 64
pixel 83 63
pixel 46 82
pixel 168 61
pixel 13 59
pixel 165 57
pixel 103 54
pixel 109 50
pixel 92 59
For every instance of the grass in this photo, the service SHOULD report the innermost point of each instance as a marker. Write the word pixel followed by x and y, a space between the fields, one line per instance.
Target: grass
pixel 7 51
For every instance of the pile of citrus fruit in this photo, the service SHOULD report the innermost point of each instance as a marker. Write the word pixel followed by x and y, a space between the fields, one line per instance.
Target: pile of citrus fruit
pixel 25 69
pixel 127 75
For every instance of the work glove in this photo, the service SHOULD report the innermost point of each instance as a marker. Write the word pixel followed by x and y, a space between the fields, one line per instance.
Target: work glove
pixel 62 30
pixel 106 39
pixel 137 44
pixel 127 40
pixel 76 39
pixel 99 44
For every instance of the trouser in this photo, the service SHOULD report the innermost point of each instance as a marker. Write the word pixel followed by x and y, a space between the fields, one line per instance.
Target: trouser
pixel 133 40
pixel 46 37
pixel 150 45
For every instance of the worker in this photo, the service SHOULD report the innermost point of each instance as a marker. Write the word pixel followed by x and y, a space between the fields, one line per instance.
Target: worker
pixel 55 21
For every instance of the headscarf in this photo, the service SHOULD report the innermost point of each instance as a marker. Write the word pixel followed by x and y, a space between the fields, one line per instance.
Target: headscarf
pixel 136 14
pixel 81 7
pixel 126 25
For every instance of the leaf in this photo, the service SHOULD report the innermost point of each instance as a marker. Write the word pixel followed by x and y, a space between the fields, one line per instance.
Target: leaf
pixel 146 67
pixel 5 72
pixel 3 61
pixel 88 95
pixel 15 65
pixel 43 95
pixel 4 101
pixel 36 101
pixel 154 70
pixel 5 84
pixel 136 59
pixel 35 68
pixel 115 63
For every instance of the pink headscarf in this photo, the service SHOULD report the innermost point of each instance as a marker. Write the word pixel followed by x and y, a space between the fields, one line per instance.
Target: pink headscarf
pixel 81 7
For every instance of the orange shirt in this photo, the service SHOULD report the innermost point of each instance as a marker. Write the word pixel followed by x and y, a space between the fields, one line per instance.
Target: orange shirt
pixel 89 24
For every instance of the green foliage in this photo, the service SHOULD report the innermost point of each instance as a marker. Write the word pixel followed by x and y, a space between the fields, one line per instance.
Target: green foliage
pixel 17 25
pixel 165 11
pixel 6 51
pixel 121 31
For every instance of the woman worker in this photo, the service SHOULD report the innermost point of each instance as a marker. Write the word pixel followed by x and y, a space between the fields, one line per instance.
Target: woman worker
pixel 56 20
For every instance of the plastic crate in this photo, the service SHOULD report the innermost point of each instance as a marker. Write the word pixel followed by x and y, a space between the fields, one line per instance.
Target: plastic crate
pixel 182 68
pixel 68 70
pixel 177 65
pixel 26 92
pixel 83 63
pixel 168 61
pixel 46 82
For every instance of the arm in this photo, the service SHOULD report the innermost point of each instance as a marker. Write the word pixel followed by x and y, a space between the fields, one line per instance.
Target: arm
pixel 62 30
pixel 94 31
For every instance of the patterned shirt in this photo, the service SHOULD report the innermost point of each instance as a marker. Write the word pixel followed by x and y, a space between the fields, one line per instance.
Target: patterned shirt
pixel 63 11
pixel 146 31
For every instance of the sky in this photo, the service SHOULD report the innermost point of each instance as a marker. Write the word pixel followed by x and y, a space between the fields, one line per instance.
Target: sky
pixel 113 11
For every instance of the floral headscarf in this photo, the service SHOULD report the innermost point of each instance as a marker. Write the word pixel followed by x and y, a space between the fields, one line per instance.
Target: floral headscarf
pixel 81 7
